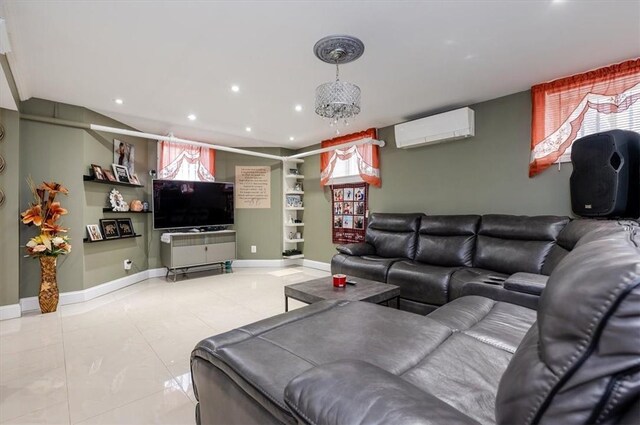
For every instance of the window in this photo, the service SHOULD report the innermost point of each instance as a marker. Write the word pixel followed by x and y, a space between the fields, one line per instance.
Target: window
pixel 180 161
pixel 567 109
pixel 352 164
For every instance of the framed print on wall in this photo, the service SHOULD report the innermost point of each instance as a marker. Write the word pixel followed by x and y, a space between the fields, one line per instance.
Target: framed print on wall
pixel 349 208
pixel 93 230
pixel 121 173
pixel 125 227
pixel 109 228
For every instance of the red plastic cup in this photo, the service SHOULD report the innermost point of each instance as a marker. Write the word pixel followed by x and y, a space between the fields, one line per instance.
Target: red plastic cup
pixel 339 280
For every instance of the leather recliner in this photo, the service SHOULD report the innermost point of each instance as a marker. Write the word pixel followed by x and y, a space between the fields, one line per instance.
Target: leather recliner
pixel 503 257
pixel 474 360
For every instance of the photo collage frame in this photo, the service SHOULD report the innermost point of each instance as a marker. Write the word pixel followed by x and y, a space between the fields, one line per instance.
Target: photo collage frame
pixel 349 212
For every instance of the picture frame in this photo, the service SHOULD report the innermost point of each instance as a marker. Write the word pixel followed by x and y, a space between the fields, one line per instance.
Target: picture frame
pixel 94 233
pixel 109 175
pixel 124 154
pixel 121 173
pixel 133 179
pixel 109 228
pixel 98 172
pixel 125 228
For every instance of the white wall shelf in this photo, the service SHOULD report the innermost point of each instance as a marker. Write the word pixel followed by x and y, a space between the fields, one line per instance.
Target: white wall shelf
pixel 289 230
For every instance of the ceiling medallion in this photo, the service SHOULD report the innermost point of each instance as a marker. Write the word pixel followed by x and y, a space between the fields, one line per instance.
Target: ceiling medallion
pixel 338 100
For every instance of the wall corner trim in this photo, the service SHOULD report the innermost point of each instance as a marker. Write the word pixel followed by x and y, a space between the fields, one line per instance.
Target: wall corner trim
pixel 10 311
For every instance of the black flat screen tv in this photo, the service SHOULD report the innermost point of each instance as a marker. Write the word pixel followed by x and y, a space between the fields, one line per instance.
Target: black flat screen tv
pixel 179 204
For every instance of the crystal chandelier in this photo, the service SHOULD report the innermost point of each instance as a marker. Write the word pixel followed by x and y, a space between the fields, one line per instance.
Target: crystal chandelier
pixel 338 100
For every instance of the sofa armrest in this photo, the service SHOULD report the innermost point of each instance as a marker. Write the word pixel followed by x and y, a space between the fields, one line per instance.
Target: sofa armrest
pixel 356 392
pixel 357 249
pixel 527 283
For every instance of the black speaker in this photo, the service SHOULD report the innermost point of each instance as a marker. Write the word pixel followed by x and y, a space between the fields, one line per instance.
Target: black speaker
pixel 605 181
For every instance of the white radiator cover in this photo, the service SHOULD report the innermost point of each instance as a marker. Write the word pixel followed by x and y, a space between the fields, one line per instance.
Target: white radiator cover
pixel 452 125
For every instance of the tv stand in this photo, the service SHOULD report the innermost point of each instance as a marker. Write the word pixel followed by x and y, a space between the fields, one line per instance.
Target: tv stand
pixel 185 250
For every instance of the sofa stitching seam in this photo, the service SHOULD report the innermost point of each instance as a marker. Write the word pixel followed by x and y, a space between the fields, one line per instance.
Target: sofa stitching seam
pixel 260 337
pixel 294 406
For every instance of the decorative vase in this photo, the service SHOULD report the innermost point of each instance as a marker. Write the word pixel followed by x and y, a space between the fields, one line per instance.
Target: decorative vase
pixel 48 296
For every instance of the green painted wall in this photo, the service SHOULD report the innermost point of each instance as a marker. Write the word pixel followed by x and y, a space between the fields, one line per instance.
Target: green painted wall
pixel 9 212
pixel 484 174
pixel 261 227
pixel 63 154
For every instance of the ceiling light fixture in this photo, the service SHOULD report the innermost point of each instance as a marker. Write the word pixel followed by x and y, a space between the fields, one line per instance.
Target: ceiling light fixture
pixel 235 88
pixel 338 100
pixel 291 139
pixel 119 101
pixel 248 129
pixel 192 117
pixel 298 108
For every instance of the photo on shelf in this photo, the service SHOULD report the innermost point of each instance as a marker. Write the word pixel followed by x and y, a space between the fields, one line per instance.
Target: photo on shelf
pixel 134 179
pixel 125 227
pixel 93 230
pixel 109 175
pixel 123 154
pixel 109 228
pixel 294 201
pixel 97 172
pixel 121 173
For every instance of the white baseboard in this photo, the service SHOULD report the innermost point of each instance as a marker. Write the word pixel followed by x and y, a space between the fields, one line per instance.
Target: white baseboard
pixel 31 303
pixel 10 311
pixel 316 265
pixel 258 263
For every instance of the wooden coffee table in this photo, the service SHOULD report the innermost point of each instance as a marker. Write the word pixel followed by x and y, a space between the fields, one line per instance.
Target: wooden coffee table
pixel 316 290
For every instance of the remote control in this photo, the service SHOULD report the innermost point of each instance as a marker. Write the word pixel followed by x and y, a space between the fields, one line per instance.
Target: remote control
pixel 350 282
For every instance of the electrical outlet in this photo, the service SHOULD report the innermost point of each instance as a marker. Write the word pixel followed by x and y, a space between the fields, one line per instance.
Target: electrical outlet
pixel 127 264
pixel 254 249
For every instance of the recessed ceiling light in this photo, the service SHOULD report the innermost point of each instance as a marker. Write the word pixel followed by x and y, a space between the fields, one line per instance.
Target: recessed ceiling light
pixel 192 117
pixel 292 138
pixel 235 88
pixel 248 129
pixel 119 101
pixel 557 1
pixel 298 108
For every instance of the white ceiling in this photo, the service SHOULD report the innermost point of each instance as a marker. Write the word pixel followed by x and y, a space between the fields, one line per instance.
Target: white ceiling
pixel 170 59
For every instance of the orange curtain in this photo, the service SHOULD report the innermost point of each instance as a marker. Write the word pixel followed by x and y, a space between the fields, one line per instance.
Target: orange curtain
pixel 559 107
pixel 179 161
pixel 368 157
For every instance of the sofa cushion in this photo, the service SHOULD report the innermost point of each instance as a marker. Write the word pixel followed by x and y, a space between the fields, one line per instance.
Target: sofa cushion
pixel 569 237
pixel 393 235
pixel 581 360
pixel 421 282
pixel 462 277
pixel 511 244
pixel 370 267
pixel 447 240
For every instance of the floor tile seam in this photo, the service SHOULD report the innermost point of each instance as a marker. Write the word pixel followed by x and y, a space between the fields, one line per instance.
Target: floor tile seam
pixel 169 371
pixel 122 405
pixel 66 376
pixel 48 405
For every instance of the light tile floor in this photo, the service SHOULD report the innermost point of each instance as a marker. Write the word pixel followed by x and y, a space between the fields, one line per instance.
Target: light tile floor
pixel 124 358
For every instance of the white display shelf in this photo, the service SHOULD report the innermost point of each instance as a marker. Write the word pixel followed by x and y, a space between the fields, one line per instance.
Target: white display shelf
pixel 293 257
pixel 294 176
pixel 294 208
pixel 294 192
pixel 294 240
pixel 294 224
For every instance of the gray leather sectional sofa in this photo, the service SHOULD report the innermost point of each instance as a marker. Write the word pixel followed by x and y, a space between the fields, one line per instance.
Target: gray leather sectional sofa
pixel 436 259
pixel 474 360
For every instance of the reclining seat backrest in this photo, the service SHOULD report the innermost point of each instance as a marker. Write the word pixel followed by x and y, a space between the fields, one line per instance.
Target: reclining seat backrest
pixel 580 362
pixel 447 240
pixel 511 243
pixel 393 235
pixel 569 237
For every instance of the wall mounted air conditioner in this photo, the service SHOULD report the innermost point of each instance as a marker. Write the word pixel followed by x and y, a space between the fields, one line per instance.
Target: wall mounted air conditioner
pixel 452 125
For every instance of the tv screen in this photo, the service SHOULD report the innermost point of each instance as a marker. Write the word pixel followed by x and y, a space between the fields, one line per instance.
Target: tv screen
pixel 184 204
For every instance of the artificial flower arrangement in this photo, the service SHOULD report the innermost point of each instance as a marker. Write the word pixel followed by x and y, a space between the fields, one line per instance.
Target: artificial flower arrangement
pixel 44 213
